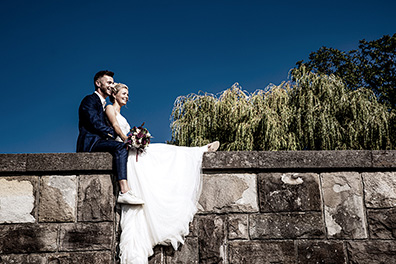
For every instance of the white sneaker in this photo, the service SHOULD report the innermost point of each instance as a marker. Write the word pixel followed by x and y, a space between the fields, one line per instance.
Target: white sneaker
pixel 212 147
pixel 129 198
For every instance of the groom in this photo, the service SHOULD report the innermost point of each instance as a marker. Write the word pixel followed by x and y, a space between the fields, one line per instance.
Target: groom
pixel 97 136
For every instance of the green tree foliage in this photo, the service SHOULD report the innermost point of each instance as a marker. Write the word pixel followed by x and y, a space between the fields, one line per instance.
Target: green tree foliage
pixel 372 66
pixel 315 112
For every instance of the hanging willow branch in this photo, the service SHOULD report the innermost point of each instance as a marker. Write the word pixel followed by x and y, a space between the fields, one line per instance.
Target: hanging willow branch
pixel 314 112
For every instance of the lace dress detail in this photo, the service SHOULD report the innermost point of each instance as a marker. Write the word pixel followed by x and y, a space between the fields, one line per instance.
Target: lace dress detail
pixel 124 125
pixel 168 179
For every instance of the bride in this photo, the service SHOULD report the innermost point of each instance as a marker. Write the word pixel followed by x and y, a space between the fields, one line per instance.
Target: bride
pixel 167 178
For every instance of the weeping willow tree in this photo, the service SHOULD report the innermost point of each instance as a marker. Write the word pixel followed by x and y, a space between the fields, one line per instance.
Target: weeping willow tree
pixel 314 112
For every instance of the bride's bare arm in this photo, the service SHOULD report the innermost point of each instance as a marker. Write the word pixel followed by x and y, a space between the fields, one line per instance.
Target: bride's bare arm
pixel 111 114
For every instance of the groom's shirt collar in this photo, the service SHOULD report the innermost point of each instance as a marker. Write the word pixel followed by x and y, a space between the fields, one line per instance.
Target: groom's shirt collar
pixel 101 99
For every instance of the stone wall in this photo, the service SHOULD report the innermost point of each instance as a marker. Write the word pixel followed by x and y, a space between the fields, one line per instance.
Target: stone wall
pixel 255 207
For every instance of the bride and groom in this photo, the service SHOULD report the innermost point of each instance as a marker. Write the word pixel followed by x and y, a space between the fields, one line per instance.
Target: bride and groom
pixel 159 191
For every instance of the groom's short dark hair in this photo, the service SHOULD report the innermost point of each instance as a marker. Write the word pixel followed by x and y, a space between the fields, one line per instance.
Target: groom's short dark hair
pixel 101 74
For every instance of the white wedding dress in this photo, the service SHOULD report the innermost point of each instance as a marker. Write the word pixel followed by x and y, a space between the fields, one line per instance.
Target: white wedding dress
pixel 168 179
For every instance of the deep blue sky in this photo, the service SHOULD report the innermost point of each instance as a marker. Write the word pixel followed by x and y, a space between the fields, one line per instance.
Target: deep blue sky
pixel 50 51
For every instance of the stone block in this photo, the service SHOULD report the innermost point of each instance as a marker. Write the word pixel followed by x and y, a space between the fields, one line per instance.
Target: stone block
pixel 369 252
pixel 23 259
pixel 193 227
pixel 228 193
pixel 95 198
pixel 286 226
pixel 380 189
pixel 117 226
pixel 86 236
pixel 230 160
pixel 382 223
pixel 28 238
pixel 315 159
pixel 12 162
pixel 320 252
pixel 238 227
pixel 69 161
pixel 261 252
pixel 58 199
pixel 98 257
pixel 384 158
pixel 343 201
pixel 158 256
pixel 186 253
pixel 18 199
pixel 212 245
pixel 289 192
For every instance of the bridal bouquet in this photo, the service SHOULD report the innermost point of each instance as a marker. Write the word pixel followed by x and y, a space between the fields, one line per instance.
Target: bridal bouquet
pixel 138 138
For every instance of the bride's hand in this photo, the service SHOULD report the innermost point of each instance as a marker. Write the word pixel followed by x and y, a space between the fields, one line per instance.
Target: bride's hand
pixel 124 138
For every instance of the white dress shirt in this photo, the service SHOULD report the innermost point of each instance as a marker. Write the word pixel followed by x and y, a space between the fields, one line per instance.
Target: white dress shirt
pixel 101 99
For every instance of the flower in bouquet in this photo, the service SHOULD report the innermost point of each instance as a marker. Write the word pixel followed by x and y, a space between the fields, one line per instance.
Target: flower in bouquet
pixel 138 138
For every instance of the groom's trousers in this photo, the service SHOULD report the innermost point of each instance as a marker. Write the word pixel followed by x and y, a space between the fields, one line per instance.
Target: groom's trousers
pixel 118 151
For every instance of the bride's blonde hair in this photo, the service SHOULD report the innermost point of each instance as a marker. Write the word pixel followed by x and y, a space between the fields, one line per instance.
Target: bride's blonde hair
pixel 116 89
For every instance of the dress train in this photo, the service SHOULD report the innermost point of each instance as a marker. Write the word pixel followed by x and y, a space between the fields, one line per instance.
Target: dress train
pixel 168 179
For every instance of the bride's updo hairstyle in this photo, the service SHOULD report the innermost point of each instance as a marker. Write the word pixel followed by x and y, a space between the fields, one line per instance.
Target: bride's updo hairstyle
pixel 116 89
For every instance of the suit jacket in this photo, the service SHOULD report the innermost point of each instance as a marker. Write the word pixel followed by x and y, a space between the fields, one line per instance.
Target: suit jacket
pixel 93 124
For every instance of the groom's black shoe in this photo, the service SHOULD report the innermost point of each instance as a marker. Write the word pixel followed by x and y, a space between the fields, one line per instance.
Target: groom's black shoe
pixel 129 198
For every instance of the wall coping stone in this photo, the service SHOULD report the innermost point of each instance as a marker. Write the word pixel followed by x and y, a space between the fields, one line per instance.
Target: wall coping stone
pixel 233 160
pixel 55 162
pixel 323 159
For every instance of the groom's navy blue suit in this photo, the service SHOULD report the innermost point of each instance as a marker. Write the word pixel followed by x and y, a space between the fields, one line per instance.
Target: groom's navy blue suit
pixel 97 136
